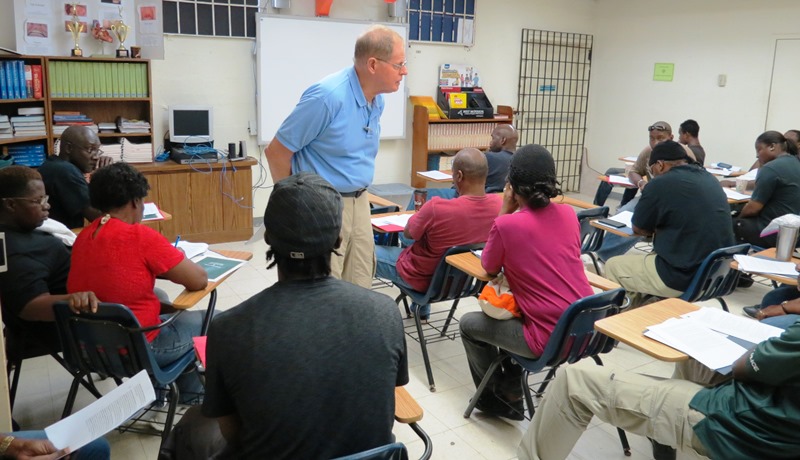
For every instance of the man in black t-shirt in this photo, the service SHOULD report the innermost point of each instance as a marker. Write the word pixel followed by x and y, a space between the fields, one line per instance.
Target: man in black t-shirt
pixel 686 210
pixel 79 154
pixel 501 147
pixel 306 368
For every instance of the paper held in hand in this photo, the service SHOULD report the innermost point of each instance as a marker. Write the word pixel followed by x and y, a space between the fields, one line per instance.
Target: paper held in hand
pixel 103 415
pixel 192 250
pixel 620 180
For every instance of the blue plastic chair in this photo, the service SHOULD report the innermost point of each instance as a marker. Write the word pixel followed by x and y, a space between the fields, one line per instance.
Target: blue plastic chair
pixel 592 237
pixel 112 343
pixel 448 284
pixel 715 278
pixel 573 339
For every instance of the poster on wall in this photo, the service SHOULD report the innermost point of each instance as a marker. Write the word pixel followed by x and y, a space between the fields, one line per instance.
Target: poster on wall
pixel 149 30
pixel 36 28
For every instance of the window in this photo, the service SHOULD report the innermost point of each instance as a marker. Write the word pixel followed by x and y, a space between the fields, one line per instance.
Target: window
pixel 215 18
pixel 441 21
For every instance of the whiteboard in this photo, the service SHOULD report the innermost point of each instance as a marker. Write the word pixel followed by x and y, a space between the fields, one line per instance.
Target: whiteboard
pixel 295 52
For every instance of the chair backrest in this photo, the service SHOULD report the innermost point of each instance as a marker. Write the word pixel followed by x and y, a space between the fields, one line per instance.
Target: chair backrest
pixel 109 342
pixel 715 277
pixel 450 283
pixel 591 237
pixel 574 336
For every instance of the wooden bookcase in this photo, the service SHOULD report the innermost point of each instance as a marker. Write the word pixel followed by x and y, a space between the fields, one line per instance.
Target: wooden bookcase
pixel 449 136
pixel 98 108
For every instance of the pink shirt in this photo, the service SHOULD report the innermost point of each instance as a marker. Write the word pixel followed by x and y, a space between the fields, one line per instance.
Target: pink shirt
pixel 540 253
pixel 439 225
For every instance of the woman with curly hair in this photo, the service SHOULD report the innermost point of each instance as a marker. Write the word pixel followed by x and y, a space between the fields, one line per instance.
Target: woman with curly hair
pixel 537 245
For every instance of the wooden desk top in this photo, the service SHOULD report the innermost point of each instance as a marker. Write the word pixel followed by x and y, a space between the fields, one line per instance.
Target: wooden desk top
pixel 770 254
pixel 378 201
pixel 563 199
pixel 406 409
pixel 609 229
pixel 628 327
pixel 170 166
pixel 470 264
pixel 188 299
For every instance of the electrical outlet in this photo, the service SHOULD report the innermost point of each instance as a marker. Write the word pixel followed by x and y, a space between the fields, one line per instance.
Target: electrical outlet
pixel 252 127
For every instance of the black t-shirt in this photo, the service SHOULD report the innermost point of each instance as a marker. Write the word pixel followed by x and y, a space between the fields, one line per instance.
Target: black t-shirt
pixel 699 153
pixel 778 188
pixel 310 369
pixel 38 263
pixel 689 213
pixel 68 190
pixel 498 170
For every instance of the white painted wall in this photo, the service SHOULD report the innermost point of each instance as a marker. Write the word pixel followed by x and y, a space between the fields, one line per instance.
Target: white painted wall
pixel 704 39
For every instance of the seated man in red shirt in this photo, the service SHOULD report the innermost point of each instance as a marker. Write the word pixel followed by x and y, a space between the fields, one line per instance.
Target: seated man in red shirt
pixel 441 224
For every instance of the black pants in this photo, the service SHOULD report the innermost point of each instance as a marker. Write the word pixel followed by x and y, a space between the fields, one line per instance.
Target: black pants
pixel 748 229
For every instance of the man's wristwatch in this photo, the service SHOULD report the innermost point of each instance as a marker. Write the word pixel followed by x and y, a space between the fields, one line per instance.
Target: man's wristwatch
pixel 5 443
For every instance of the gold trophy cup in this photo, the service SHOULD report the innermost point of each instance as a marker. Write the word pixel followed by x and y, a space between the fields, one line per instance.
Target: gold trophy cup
pixel 75 27
pixel 121 29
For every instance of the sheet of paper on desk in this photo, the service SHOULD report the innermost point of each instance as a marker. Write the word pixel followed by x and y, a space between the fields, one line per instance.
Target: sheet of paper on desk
pixel 750 175
pixel 737 326
pixel 192 250
pixel 734 195
pixel 620 180
pixel 624 217
pixel 629 159
pixel 709 347
pixel 218 266
pixel 398 220
pixel 103 415
pixel 436 175
pixel 751 264
pixel 151 212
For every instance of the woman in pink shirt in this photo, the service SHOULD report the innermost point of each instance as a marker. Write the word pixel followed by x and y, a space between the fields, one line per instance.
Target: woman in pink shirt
pixel 536 244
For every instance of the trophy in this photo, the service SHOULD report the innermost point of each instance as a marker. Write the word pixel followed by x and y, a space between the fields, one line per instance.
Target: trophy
pixel 75 27
pixel 121 29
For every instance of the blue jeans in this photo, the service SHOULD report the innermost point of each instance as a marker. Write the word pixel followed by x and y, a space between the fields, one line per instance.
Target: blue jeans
pixel 386 268
pixel 174 341
pixel 615 245
pixel 99 449
pixel 775 297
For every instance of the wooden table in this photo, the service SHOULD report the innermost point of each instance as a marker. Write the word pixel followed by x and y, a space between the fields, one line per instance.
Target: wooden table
pixel 770 254
pixel 563 199
pixel 188 299
pixel 470 264
pixel 628 327
pixel 626 232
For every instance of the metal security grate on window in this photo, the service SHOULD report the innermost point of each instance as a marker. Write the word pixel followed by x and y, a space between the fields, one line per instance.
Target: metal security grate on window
pixel 442 21
pixel 215 18
pixel 553 97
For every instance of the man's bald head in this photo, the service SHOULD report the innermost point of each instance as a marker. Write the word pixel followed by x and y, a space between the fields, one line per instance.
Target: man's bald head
pixel 81 147
pixel 504 137
pixel 471 162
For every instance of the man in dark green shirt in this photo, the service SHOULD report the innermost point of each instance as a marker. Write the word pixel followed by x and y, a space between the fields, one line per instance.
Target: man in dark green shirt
pixel 754 415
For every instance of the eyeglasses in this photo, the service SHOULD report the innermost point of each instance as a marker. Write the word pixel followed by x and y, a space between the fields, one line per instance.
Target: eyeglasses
pixel 40 201
pixel 657 128
pixel 397 67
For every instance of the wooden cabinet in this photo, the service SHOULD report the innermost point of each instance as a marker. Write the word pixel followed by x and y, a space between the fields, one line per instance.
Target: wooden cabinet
pixel 211 203
pixel 449 136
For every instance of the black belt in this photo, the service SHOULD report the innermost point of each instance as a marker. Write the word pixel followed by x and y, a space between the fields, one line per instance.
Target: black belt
pixel 355 194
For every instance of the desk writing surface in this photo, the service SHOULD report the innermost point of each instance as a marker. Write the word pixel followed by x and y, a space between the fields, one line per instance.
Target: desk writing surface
pixel 387 214
pixel 617 231
pixel 628 327
pixel 563 199
pixel 380 201
pixel 188 299
pixel 770 254
pixel 406 409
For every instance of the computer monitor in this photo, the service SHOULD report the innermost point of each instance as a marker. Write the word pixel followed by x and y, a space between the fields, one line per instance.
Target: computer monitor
pixel 3 260
pixel 191 124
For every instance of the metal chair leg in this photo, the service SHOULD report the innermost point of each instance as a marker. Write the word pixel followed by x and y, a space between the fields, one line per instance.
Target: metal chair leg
pixel 526 390
pixel 405 304
pixel 424 346
pixel 724 305
pixel 482 386
pixel 550 375
pixel 449 317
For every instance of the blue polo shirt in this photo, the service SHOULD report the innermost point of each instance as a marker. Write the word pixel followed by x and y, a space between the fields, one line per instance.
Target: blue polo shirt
pixel 334 132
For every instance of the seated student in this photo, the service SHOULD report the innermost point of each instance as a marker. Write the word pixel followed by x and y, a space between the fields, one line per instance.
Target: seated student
pixel 754 415
pixel 688 214
pixel 33 445
pixel 329 353
pixel 501 148
pixel 689 135
pixel 539 250
pixel 441 224
pixel 79 154
pixel 38 262
pixel 777 189
pixel 793 135
pixel 779 307
pixel 119 260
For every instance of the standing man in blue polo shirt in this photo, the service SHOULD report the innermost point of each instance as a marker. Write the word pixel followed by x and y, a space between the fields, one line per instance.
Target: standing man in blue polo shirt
pixel 334 131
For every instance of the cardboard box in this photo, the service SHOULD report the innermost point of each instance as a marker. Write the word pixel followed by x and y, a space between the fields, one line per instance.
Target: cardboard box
pixel 477 104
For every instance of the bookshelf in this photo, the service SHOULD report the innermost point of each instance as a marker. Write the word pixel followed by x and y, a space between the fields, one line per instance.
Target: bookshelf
pixel 102 89
pixel 449 136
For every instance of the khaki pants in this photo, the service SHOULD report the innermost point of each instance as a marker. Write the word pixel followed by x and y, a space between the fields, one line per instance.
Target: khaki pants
pixel 357 262
pixel 637 274
pixel 648 406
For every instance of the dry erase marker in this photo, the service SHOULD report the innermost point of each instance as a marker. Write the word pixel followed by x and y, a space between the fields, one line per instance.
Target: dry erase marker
pixel 177 240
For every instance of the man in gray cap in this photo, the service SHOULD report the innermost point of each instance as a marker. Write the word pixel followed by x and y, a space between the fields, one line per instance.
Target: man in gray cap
pixel 307 367
pixel 686 210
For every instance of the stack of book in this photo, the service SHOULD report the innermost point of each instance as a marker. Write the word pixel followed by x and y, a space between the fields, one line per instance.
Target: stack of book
pixel 5 128
pixel 64 119
pixel 114 151
pixel 107 127
pixel 20 81
pixel 27 154
pixel 79 79
pixel 127 126
pixel 136 153
pixel 29 122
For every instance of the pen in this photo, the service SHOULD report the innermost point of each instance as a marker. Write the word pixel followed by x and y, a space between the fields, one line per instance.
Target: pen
pixel 177 240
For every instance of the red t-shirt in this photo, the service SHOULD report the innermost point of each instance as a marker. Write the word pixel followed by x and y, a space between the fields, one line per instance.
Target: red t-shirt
pixel 120 265
pixel 439 225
